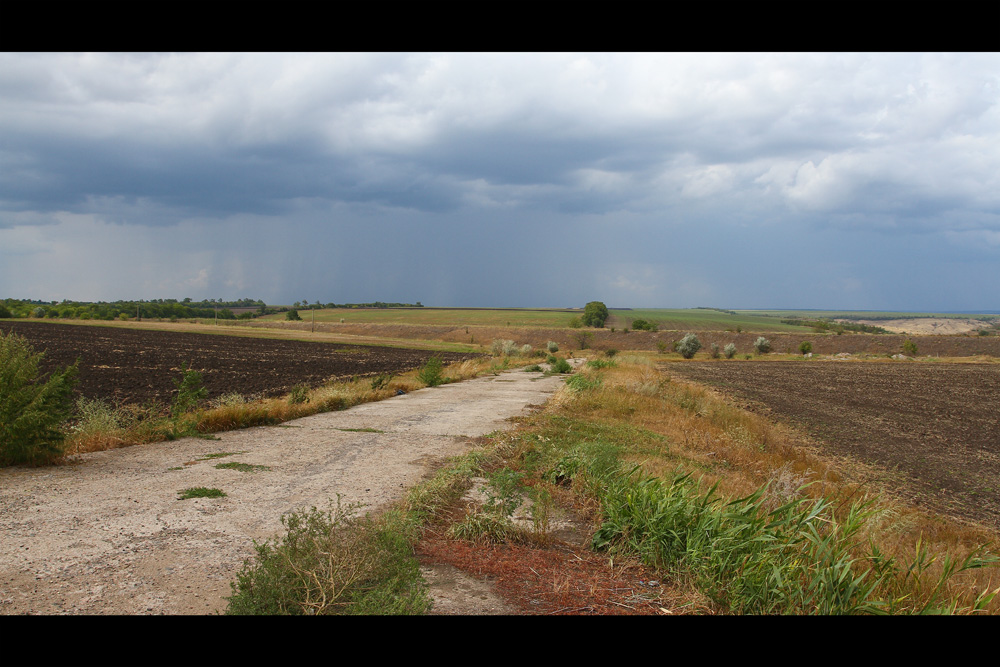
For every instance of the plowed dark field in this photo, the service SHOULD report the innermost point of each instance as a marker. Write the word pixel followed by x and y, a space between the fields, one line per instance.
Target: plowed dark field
pixel 937 424
pixel 138 366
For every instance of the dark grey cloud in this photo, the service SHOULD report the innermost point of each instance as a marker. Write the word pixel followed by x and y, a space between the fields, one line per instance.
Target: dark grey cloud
pixel 657 179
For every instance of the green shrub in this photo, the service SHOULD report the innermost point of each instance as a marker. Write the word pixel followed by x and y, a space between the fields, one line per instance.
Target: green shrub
pixel 31 411
pixel 729 350
pixel 580 382
pixel 762 345
pixel 552 346
pixel 689 345
pixel 4 312
pixel 38 312
pixel 190 390
pixel 610 352
pixel 910 348
pixel 299 394
pixel 560 365
pixel 661 346
pixel 332 563
pixel 293 316
pixel 715 350
pixel 643 325
pixel 432 374
pixel 805 347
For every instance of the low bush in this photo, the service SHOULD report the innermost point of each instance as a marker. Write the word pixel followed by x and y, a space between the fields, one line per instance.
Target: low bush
pixel 715 350
pixel 560 365
pixel 762 345
pixel 503 348
pixel 299 394
pixel 729 350
pixel 689 346
pixel 910 348
pixel 552 346
pixel 333 562
pixel 805 347
pixel 432 374
pixel 32 411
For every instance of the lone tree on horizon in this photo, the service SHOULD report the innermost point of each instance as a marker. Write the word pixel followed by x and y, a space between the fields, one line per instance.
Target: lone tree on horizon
pixel 594 314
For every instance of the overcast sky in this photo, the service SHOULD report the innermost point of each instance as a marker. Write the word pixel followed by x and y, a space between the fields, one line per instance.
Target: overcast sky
pixel 836 181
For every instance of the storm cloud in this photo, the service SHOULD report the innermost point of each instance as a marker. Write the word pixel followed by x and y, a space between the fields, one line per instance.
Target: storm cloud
pixel 662 180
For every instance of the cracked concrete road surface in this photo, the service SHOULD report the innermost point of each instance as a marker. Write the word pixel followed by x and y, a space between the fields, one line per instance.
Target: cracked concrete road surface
pixel 107 534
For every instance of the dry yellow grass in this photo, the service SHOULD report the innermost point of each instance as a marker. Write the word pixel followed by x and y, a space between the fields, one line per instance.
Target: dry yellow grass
pixel 741 451
pixel 125 426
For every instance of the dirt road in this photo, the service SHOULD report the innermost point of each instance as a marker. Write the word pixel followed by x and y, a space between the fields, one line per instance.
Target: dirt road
pixel 107 534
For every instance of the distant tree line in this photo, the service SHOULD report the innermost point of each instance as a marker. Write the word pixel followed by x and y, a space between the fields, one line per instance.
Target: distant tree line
pixel 154 309
pixel 164 308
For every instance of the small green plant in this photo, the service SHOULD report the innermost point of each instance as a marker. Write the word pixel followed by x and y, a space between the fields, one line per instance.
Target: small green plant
pixel 533 368
pixel 382 381
pixel 32 411
pixel 242 467
pixel 729 350
pixel 299 394
pixel 190 390
pixel 643 325
pixel 715 350
pixel 552 346
pixel 293 316
pixel 583 339
pixel 762 345
pixel 805 347
pixel 910 348
pixel 200 492
pixel 610 352
pixel 661 347
pixel 432 374
pixel 560 365
pixel 577 383
pixel 689 346
pixel 217 455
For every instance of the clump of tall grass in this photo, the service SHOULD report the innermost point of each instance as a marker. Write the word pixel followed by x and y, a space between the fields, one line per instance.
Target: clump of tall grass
pixel 799 558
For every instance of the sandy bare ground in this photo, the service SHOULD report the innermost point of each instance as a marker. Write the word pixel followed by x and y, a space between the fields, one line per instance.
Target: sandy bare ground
pixel 107 534
pixel 928 326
